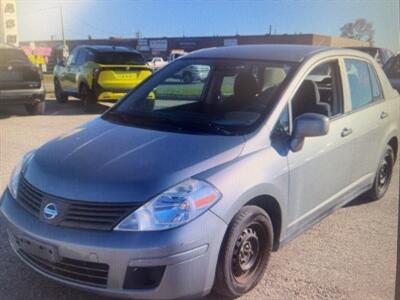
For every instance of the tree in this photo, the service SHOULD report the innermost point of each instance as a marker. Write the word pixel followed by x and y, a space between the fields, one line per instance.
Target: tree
pixel 360 29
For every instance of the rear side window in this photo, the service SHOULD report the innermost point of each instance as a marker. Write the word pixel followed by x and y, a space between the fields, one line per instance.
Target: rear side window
pixel 119 58
pixel 362 86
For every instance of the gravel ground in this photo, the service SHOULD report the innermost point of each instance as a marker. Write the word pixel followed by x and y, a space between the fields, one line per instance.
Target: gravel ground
pixel 349 255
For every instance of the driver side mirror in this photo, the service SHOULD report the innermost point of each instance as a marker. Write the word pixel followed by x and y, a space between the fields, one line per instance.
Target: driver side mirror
pixel 61 62
pixel 308 125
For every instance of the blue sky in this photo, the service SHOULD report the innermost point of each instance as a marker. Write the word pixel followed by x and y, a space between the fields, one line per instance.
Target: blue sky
pixel 39 19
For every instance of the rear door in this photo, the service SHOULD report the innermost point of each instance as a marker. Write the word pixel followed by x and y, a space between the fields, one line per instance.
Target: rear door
pixel 370 116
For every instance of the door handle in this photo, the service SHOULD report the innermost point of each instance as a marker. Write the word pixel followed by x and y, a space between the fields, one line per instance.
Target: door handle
pixel 346 132
pixel 384 115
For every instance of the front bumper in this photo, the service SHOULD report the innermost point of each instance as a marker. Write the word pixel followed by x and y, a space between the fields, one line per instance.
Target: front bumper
pixel 189 253
pixel 23 96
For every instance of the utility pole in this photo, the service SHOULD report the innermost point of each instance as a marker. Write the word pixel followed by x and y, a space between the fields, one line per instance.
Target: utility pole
pixel 65 49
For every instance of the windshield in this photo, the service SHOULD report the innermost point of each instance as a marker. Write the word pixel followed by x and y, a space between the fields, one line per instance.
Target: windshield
pixel 12 56
pixel 119 58
pixel 218 96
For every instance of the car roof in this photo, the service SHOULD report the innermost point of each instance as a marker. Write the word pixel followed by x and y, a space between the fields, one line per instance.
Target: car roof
pixel 271 52
pixel 109 48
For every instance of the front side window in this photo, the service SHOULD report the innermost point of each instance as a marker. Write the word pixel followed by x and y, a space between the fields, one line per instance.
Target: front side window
pixel 320 92
pixel 72 57
pixel 360 83
pixel 202 96
pixel 81 59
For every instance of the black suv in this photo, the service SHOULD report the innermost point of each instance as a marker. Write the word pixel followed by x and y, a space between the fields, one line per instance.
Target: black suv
pixel 20 81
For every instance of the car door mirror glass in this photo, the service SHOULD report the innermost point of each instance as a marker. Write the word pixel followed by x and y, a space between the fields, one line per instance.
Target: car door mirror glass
pixel 61 62
pixel 308 125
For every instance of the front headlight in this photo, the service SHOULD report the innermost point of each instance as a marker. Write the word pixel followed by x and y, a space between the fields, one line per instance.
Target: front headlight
pixel 174 207
pixel 16 174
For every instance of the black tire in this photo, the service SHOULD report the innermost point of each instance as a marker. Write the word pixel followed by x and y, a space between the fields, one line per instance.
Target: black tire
pixel 61 97
pixel 383 175
pixel 37 108
pixel 245 252
pixel 88 98
pixel 187 77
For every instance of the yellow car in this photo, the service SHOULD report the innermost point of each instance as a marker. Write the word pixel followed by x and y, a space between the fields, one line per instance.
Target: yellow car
pixel 96 73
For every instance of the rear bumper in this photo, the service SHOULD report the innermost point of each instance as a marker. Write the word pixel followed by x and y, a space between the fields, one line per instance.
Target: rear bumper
pixel 189 253
pixel 24 96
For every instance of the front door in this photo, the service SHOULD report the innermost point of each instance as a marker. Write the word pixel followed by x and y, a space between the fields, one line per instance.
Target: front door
pixel 320 171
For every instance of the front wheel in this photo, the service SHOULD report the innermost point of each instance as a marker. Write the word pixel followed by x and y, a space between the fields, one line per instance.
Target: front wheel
pixel 383 175
pixel 245 252
pixel 61 97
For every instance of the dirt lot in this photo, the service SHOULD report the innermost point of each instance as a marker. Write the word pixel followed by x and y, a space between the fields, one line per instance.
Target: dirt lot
pixel 349 255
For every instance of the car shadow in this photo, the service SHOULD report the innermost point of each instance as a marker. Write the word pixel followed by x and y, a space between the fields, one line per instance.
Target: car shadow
pixel 72 107
pixel 360 200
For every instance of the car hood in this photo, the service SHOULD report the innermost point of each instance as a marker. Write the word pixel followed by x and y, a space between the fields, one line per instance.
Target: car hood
pixel 105 162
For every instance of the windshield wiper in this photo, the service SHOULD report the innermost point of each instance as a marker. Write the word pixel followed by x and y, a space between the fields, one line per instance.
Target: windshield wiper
pixel 159 120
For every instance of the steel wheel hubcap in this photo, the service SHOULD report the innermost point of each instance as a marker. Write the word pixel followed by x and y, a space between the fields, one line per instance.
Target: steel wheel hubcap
pixel 384 173
pixel 246 253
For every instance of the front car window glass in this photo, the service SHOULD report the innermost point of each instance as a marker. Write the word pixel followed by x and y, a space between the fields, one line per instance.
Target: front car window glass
pixel 72 57
pixel 189 94
pixel 359 83
pixel 320 92
pixel 81 59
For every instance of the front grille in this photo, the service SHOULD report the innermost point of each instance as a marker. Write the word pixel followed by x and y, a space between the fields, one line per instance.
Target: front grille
pixel 72 213
pixel 78 271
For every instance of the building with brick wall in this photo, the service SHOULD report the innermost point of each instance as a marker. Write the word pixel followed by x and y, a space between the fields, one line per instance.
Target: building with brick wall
pixel 8 22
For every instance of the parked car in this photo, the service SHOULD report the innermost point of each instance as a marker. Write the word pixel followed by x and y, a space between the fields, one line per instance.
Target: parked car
pixel 381 55
pixel 156 63
pixel 176 53
pixel 193 73
pixel 172 196
pixel 96 73
pixel 392 70
pixel 20 81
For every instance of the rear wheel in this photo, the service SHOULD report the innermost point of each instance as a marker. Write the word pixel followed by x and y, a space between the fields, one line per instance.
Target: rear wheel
pixel 61 97
pixel 245 252
pixel 88 98
pixel 37 108
pixel 383 175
